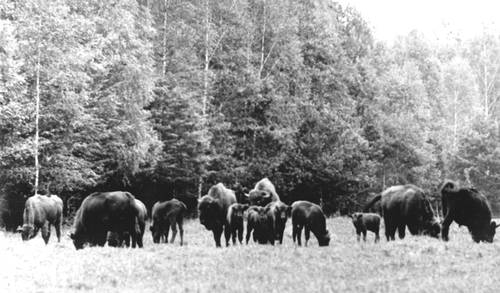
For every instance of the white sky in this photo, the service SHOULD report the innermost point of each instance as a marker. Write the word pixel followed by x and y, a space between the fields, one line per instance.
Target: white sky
pixel 390 18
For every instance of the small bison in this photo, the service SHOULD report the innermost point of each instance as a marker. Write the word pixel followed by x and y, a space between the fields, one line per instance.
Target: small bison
pixel 279 213
pixel 235 219
pixel 308 215
pixel 366 222
pixel 116 240
pixel 467 207
pixel 261 223
pixel 165 216
pixel 40 212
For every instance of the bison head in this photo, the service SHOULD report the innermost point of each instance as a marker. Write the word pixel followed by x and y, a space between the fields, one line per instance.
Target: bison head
pixel 432 228
pixel 210 213
pixel 78 240
pixel 156 232
pixel 324 239
pixel 27 232
pixel 486 234
pixel 259 197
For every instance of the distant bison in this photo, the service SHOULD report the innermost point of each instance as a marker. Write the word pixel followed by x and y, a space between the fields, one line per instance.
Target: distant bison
pixel 116 240
pixel 308 215
pixel 165 216
pixel 260 222
pixel 366 222
pixel 279 213
pixel 406 205
pixel 235 220
pixel 467 207
pixel 103 212
pixel 40 212
pixel 263 193
pixel 213 211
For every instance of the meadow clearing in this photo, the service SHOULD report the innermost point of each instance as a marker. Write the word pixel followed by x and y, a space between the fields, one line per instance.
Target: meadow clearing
pixel 415 264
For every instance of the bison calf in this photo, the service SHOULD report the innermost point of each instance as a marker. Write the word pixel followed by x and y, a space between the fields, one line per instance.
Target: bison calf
pixel 235 219
pixel 308 215
pixel 366 222
pixel 279 212
pixel 165 216
pixel 261 223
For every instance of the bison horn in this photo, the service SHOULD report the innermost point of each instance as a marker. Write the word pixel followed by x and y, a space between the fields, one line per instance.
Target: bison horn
pixel 246 195
pixel 267 194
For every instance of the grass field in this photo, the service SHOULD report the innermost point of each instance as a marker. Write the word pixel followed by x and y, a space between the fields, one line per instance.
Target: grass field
pixel 415 264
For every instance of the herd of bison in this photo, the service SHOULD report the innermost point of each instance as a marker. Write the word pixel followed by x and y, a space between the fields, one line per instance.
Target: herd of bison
pixel 119 219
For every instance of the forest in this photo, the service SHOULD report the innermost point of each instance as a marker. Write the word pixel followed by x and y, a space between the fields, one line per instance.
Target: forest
pixel 164 98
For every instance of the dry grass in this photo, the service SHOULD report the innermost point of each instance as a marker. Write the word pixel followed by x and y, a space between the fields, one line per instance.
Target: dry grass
pixel 415 264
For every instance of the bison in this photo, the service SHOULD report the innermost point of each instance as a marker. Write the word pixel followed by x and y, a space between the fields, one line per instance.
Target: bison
pixel 103 212
pixel 116 240
pixel 263 193
pixel 213 211
pixel 366 222
pixel 40 212
pixel 165 216
pixel 235 219
pixel 279 212
pixel 467 207
pixel 406 205
pixel 260 222
pixel 308 215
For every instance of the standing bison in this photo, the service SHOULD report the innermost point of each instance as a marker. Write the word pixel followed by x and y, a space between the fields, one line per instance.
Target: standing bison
pixel 213 211
pixel 103 212
pixel 308 215
pixel 366 222
pixel 260 222
pixel 263 193
pixel 406 205
pixel 467 207
pixel 40 212
pixel 235 220
pixel 116 240
pixel 165 216
pixel 279 213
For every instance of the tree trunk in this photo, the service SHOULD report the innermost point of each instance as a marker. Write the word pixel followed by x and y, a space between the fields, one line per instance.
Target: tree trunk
pixel 37 113
pixel 261 68
pixel 164 61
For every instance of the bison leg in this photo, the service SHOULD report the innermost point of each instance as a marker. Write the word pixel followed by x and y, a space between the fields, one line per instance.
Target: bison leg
pixel 181 229
pixel 174 230
pixel 249 232
pixel 390 230
pixel 227 234
pixel 217 235
pixel 58 231
pixel 307 234
pixel 46 233
pixel 377 236
pixel 401 231
pixel 364 235
pixel 240 233
pixel 297 231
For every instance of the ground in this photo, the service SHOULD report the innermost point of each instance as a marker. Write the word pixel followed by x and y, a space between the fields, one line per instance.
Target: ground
pixel 415 264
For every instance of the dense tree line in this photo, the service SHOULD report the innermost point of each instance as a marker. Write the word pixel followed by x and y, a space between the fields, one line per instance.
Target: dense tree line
pixel 165 98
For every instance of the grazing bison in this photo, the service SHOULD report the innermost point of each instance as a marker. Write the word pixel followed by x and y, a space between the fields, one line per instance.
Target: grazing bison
pixel 235 219
pixel 213 211
pixel 279 212
pixel 116 240
pixel 40 212
pixel 406 205
pixel 263 193
pixel 260 221
pixel 103 212
pixel 165 216
pixel 467 207
pixel 308 215
pixel 366 222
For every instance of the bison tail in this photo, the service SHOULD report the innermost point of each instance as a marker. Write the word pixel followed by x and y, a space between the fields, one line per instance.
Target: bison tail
pixel 372 202
pixel 448 186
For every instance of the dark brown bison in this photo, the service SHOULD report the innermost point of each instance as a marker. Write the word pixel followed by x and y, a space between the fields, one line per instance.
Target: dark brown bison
pixel 165 216
pixel 213 211
pixel 116 240
pixel 235 219
pixel 467 207
pixel 279 212
pixel 40 212
pixel 263 193
pixel 103 212
pixel 406 205
pixel 260 222
pixel 308 215
pixel 366 222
